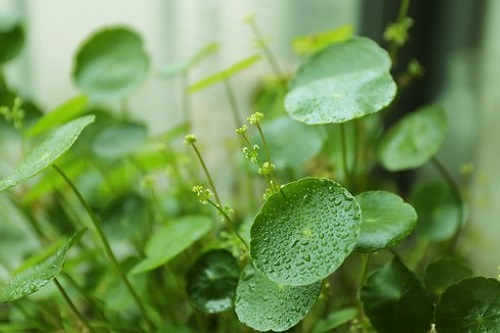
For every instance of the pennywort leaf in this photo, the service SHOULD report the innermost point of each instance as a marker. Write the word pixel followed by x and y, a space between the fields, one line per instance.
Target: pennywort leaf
pixel 304 232
pixel 345 81
pixel 266 305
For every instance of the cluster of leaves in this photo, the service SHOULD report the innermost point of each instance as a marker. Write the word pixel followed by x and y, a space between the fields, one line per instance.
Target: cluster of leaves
pixel 156 260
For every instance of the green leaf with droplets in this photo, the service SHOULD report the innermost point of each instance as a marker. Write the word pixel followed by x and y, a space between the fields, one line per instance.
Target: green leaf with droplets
pixel 224 74
pixel 111 64
pixel 472 306
pixel 46 152
pixel 172 239
pixel 396 302
pixel 437 210
pixel 11 38
pixel 211 282
pixel 444 272
pixel 61 114
pixel 414 140
pixel 265 305
pixel 120 139
pixel 37 276
pixel 345 81
pixel 387 220
pixel 305 45
pixel 304 232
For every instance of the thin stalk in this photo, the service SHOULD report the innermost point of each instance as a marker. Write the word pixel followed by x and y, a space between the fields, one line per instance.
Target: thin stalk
pixel 365 261
pixel 455 191
pixel 72 307
pixel 273 61
pixel 229 222
pixel 186 105
pixel 232 102
pixel 343 143
pixel 264 142
pixel 402 13
pixel 207 174
pixel 107 247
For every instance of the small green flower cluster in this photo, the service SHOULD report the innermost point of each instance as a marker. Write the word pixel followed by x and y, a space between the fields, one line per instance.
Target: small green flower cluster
pixel 14 114
pixel 203 194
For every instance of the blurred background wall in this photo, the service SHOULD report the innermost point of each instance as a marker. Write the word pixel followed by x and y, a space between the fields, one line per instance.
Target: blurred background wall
pixel 457 41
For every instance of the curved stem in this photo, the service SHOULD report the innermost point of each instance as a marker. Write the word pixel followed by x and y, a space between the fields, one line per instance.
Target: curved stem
pixel 72 306
pixel 207 174
pixel 273 61
pixel 107 247
pixel 229 223
pixel 232 102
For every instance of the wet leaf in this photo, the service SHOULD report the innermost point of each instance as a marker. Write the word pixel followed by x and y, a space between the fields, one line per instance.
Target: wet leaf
pixel 211 282
pixel 265 305
pixel 46 152
pixel 387 220
pixel 304 232
pixel 414 140
pixel 37 276
pixel 345 81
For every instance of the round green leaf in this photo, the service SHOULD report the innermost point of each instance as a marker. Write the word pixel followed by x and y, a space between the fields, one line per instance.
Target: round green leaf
pixel 291 144
pixel 437 210
pixel 304 232
pixel 11 39
pixel 414 140
pixel 172 239
pixel 472 305
pixel 444 272
pixel 119 140
pixel 111 64
pixel 47 151
pixel 345 81
pixel 211 282
pixel 37 276
pixel 387 220
pixel 396 302
pixel 265 305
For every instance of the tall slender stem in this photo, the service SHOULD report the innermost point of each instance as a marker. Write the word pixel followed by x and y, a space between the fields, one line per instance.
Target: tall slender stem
pixel 207 174
pixel 107 247
pixel 186 105
pixel 232 102
pixel 72 306
pixel 273 61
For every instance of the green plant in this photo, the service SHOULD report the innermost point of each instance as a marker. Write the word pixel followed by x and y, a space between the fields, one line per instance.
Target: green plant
pixel 314 238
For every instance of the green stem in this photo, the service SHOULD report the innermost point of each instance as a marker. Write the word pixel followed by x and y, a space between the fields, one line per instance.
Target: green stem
pixel 343 143
pixel 271 58
pixel 107 247
pixel 232 102
pixel 457 196
pixel 264 142
pixel 72 306
pixel 186 106
pixel 364 273
pixel 229 223
pixel 207 174
pixel 402 13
